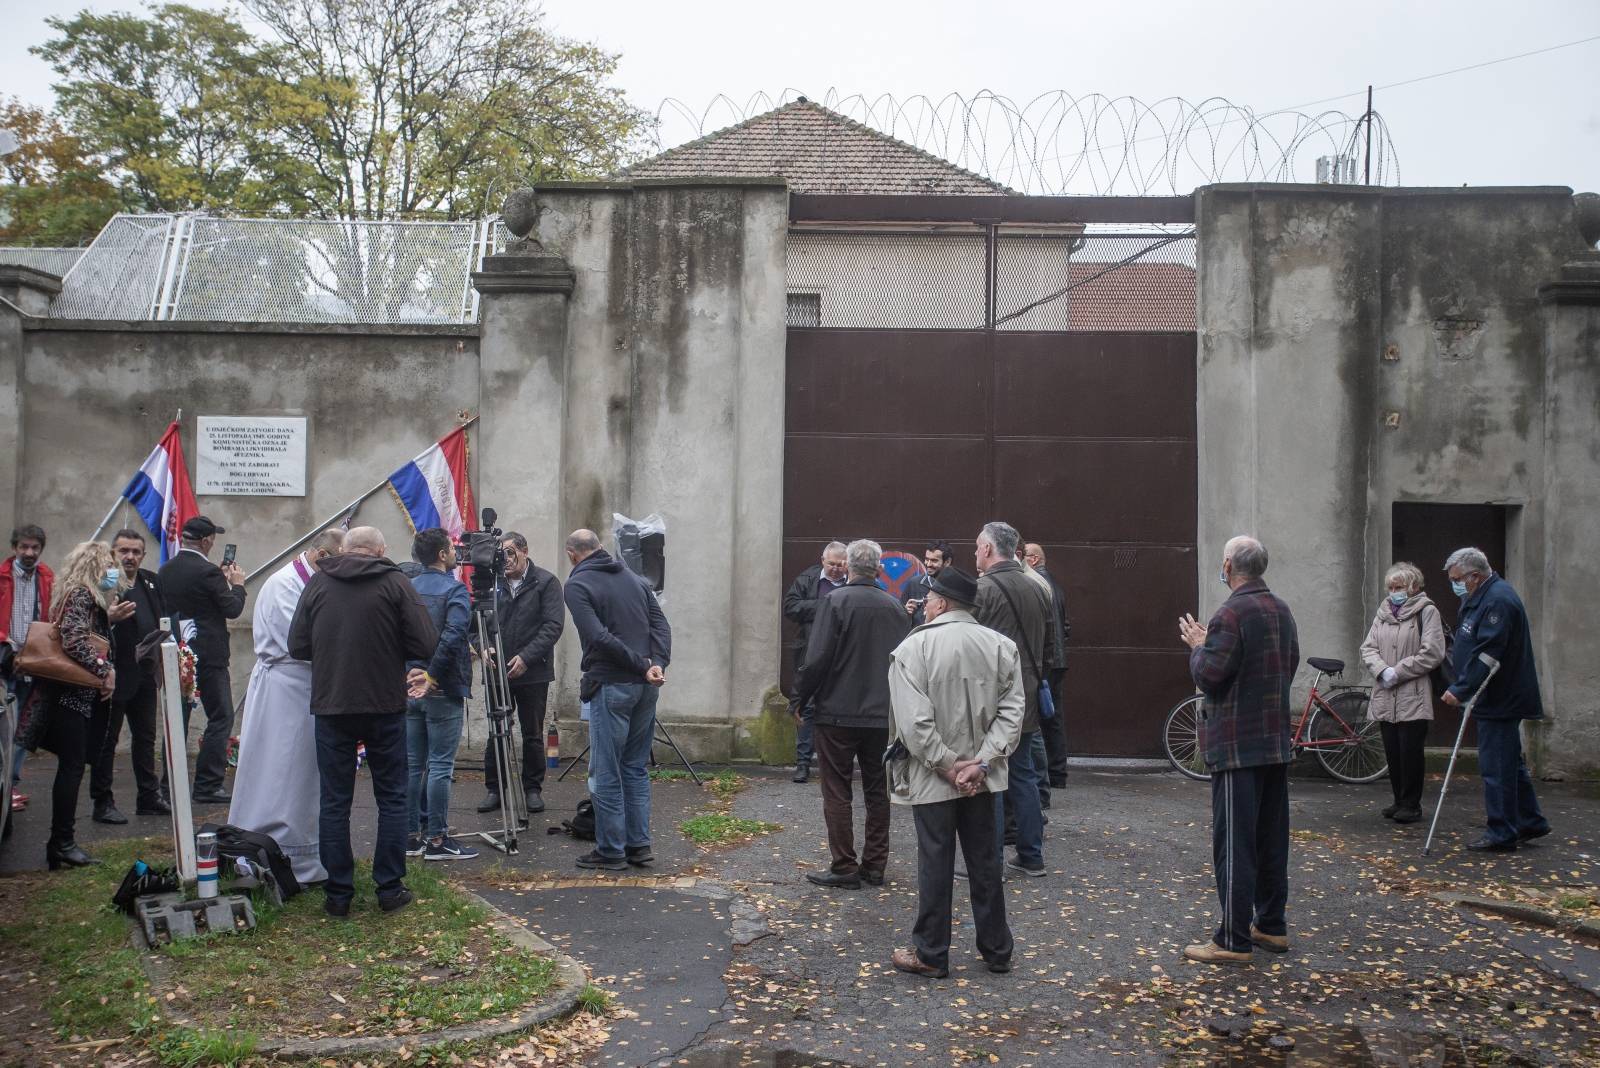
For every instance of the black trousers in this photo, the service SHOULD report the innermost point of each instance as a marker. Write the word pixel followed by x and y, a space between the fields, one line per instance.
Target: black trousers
pixel 73 737
pixel 1250 852
pixel 530 702
pixel 216 694
pixel 1403 745
pixel 385 737
pixel 1054 732
pixel 969 820
pixel 139 710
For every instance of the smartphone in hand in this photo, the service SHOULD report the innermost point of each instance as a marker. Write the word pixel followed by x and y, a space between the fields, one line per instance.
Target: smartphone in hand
pixel 229 551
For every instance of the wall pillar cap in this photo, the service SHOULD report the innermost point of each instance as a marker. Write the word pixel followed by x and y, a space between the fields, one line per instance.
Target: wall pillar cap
pixel 29 288
pixel 1579 282
pixel 524 267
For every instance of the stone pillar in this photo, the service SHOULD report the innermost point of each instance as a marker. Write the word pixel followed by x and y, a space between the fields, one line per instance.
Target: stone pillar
pixel 24 293
pixel 1568 742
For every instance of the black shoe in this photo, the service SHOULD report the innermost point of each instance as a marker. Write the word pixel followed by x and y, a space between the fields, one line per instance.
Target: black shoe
pixel 108 813
pixel 70 855
pixel 156 807
pixel 1058 783
pixel 1489 845
pixel 1528 836
pixel 999 967
pixel 396 901
pixel 639 856
pixel 600 862
pixel 802 773
pixel 1035 869
pixel 535 801
pixel 1407 815
pixel 416 845
pixel 336 908
pixel 834 880
pixel 490 803
pixel 216 798
pixel 1044 802
pixel 872 878
pixel 1389 812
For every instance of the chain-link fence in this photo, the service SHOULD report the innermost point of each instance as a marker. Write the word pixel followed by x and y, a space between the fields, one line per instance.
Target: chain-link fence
pixel 955 280
pixel 197 267
pixel 56 261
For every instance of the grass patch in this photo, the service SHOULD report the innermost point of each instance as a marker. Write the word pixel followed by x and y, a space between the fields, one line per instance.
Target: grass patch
pixel 718 828
pixel 593 1000
pixel 299 973
pixel 667 774
pixel 725 783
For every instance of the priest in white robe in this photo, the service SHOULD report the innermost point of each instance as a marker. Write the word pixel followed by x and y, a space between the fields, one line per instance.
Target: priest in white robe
pixel 275 789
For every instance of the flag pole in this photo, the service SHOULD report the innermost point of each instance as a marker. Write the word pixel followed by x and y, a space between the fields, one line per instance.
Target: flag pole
pixel 326 523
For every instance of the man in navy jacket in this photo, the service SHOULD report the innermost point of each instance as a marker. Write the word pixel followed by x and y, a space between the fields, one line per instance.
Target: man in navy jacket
pixel 626 647
pixel 1492 620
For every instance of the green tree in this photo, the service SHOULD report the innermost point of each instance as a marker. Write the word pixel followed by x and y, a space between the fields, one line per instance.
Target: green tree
pixel 51 192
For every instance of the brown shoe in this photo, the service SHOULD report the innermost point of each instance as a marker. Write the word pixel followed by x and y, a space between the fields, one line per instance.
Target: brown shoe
pixel 907 961
pixel 1211 953
pixel 1272 943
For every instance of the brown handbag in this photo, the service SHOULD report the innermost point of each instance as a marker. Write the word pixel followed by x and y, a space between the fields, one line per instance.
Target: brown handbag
pixel 44 657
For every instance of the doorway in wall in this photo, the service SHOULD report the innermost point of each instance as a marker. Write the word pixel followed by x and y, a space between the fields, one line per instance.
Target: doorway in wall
pixel 1426 535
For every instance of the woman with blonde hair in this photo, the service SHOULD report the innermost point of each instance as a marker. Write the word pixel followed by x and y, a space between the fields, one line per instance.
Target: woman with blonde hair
pixel 1405 643
pixel 69 720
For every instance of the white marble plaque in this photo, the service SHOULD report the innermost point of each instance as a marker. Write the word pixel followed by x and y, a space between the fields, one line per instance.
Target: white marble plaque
pixel 251 456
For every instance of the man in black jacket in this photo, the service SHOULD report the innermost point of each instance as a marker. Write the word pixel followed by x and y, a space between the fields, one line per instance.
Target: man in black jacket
pixel 626 647
pixel 846 674
pixel 531 619
pixel 135 695
pixel 204 597
pixel 1054 729
pixel 358 622
pixel 800 607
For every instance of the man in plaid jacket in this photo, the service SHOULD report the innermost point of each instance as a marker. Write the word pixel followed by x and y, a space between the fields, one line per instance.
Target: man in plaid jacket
pixel 1243 661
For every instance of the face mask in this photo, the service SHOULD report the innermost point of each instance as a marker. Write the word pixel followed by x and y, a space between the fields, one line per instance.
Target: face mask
pixel 1398 598
pixel 1222 575
pixel 109 582
pixel 1458 587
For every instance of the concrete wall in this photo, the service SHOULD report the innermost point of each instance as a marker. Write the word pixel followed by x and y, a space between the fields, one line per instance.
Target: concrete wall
pixel 1360 347
pixel 93 398
pixel 661 391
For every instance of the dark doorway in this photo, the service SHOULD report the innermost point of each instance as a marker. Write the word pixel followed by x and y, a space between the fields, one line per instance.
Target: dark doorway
pixel 1426 534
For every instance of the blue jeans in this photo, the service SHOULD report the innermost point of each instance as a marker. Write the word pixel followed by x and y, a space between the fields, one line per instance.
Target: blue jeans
pixel 1041 761
pixel 1022 791
pixel 1509 802
pixel 805 749
pixel 433 733
pixel 20 689
pixel 622 724
pixel 337 736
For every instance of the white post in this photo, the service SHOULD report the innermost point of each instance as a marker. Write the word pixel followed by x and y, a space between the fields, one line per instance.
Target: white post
pixel 170 700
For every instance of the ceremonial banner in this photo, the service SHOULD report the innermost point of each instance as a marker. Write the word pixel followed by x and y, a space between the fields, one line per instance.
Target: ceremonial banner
pixel 434 488
pixel 160 492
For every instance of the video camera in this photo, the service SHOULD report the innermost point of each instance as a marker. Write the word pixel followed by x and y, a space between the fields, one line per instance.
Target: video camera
pixel 484 551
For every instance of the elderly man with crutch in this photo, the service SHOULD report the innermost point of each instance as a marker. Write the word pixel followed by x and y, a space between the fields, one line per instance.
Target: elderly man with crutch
pixel 1497 680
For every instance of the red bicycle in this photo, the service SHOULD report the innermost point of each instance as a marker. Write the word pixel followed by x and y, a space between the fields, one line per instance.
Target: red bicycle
pixel 1335 728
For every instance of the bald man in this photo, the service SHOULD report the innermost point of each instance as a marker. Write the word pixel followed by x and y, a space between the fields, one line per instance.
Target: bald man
pixel 627 644
pixel 358 622
pixel 1243 661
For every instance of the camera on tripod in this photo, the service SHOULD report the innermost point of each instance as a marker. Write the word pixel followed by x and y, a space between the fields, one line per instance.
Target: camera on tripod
pixel 484 551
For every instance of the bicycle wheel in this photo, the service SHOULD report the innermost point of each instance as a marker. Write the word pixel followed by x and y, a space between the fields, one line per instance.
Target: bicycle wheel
pixel 1361 758
pixel 1181 738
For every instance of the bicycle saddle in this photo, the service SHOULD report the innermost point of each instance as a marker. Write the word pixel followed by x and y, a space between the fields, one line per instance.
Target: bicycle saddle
pixel 1322 663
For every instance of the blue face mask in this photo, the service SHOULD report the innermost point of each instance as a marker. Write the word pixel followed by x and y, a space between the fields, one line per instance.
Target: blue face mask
pixel 1222 575
pixel 1398 598
pixel 1458 587
pixel 109 582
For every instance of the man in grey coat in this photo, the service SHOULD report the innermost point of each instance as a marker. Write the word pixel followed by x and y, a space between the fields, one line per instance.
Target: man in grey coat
pixel 956 688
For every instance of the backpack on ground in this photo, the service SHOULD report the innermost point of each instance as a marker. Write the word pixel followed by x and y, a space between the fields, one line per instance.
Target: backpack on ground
pixel 581 825
pixel 261 853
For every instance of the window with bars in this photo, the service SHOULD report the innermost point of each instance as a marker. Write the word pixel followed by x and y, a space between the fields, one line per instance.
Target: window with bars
pixel 804 309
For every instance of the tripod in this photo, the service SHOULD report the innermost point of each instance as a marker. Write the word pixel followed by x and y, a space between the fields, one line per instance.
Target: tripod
pixel 502 735
pixel 661 737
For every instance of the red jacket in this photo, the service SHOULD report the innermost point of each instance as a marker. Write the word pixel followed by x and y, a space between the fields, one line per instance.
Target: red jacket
pixel 8 590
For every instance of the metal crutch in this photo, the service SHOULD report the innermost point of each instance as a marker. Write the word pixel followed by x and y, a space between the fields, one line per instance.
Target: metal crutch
pixel 1466 713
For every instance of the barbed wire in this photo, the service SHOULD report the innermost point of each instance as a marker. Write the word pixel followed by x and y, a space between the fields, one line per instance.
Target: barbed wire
pixel 1057 143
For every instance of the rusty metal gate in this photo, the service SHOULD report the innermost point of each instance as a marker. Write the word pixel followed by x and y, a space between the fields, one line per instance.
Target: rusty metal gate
pixel 1074 422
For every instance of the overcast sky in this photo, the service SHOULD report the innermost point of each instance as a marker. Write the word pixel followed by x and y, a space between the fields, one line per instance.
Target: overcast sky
pixel 1533 121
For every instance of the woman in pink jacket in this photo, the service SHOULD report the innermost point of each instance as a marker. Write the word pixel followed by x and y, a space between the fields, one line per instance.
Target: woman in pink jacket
pixel 1405 643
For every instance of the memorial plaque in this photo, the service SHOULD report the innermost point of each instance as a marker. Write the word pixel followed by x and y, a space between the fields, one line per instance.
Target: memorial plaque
pixel 251 456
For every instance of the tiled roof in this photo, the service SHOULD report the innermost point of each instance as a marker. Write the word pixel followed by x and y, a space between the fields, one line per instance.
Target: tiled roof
pixel 818 151
pixel 1135 296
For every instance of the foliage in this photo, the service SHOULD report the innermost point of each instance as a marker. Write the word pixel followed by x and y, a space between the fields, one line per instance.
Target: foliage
pixel 717 828
pixel 51 191
pixel 592 999
pixel 343 108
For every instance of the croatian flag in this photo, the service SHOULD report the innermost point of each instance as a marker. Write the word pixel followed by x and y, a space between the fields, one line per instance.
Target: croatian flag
pixel 433 488
pixel 161 492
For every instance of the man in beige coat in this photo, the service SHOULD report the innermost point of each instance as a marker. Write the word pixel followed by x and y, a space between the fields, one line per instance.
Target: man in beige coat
pixel 957 694
pixel 1405 643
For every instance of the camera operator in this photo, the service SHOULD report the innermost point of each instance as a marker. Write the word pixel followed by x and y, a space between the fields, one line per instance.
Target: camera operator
pixel 531 619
